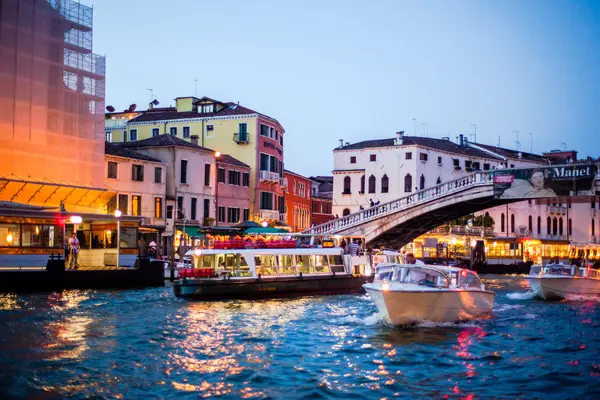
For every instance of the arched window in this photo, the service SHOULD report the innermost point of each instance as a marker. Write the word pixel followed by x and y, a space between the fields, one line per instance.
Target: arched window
pixel 502 222
pixel 347 185
pixel 345 212
pixel 560 226
pixel 549 226
pixel 372 182
pixel 438 181
pixel 554 226
pixel 570 227
pixel 512 222
pixel 407 183
pixel 539 224
pixel 593 227
pixel 422 182
pixel 530 224
pixel 362 184
pixel 385 182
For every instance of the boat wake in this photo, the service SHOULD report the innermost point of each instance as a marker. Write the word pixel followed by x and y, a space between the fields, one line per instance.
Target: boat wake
pixel 431 324
pixel 521 295
pixel 506 307
pixel 374 319
pixel 582 297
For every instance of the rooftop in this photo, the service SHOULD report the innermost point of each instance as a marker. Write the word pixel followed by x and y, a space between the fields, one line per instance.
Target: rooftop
pixel 227 159
pixel 163 141
pixel 119 151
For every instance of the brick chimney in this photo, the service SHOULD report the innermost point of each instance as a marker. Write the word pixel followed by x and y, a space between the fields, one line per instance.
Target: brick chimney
pixel 194 139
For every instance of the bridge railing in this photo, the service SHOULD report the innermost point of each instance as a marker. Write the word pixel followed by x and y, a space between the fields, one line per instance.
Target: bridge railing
pixel 419 197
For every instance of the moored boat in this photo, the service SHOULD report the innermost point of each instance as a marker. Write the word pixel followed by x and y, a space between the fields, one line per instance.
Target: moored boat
pixel 555 281
pixel 408 293
pixel 265 273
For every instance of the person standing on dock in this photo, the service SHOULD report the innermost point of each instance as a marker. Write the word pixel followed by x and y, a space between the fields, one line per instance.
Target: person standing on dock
pixel 74 252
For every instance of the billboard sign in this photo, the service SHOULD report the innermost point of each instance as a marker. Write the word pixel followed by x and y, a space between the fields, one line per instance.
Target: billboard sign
pixel 550 181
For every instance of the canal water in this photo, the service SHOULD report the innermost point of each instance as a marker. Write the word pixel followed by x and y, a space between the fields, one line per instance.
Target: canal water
pixel 148 344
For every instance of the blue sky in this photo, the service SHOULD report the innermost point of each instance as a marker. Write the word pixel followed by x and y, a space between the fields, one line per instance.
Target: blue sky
pixel 356 70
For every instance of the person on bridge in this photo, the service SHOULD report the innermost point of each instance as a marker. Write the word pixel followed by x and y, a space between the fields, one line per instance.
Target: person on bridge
pixel 411 259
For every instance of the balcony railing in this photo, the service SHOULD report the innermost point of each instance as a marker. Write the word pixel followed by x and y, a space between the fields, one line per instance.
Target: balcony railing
pixel 268 176
pixel 269 214
pixel 462 230
pixel 556 209
pixel 241 138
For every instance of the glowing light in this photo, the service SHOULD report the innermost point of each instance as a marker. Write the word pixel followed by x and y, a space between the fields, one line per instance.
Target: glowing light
pixel 473 243
pixel 37 230
pixel 118 213
pixel 463 273
pixel 453 241
pixel 385 287
pixel 76 219
pixel 198 252
pixel 264 224
pixel 217 154
pixel 9 238
pixel 495 244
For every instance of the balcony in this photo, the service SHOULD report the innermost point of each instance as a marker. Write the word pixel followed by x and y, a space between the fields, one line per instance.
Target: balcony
pixel 269 214
pixel 241 138
pixel 462 230
pixel 283 182
pixel 268 176
pixel 283 217
pixel 556 210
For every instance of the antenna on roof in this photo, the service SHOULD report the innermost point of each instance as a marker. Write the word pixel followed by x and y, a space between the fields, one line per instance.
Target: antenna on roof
pixel 151 94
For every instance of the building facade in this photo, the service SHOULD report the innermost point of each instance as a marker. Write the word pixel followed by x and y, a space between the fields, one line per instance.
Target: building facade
pixel 322 199
pixel 51 105
pixel 298 203
pixel 255 139
pixel 232 193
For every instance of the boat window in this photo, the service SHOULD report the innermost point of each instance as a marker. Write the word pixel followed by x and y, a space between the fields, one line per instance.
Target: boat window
pixel 593 273
pixel 384 273
pixel 398 274
pixel 471 280
pixel 265 264
pixel 535 270
pixel 203 261
pixel 425 277
pixel 287 265
pixel 561 270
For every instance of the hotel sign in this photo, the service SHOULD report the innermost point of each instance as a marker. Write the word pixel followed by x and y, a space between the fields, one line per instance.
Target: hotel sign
pixel 570 180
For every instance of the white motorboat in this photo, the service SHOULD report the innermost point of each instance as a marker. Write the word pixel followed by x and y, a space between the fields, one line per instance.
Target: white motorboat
pixel 408 293
pixel 555 281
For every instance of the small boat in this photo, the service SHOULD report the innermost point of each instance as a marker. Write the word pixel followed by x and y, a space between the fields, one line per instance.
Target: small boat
pixel 268 272
pixel 555 281
pixel 409 293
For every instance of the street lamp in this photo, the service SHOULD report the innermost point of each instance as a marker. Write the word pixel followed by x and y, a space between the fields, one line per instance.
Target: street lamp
pixel 217 155
pixel 117 216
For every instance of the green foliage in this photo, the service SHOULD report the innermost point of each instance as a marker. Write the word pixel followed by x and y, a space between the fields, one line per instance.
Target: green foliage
pixel 478 220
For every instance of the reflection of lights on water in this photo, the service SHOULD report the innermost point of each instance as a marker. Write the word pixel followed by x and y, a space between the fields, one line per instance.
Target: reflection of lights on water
pixel 8 302
pixel 71 331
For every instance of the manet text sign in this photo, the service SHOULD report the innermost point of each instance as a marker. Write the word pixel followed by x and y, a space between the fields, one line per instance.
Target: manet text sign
pixel 551 181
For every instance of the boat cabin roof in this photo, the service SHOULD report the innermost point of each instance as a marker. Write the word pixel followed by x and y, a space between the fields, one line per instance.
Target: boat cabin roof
pixel 316 251
pixel 443 268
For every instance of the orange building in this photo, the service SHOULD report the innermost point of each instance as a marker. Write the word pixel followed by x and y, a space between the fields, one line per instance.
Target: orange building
pixel 298 201
pixel 322 199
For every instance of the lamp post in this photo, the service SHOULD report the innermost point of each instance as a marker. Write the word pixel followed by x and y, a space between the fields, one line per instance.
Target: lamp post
pixel 217 155
pixel 117 216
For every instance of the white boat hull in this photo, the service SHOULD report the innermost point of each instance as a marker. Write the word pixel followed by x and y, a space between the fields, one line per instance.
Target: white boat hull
pixel 556 287
pixel 444 305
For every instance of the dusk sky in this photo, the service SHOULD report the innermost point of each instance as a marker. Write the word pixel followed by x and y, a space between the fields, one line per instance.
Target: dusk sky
pixel 330 70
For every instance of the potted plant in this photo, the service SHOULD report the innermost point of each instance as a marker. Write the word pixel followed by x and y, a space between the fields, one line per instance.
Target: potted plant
pixel 208 221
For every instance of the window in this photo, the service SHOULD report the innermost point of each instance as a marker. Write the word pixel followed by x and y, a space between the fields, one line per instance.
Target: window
pixel 593 201
pixel 476 166
pixel 157 175
pixel 372 182
pixel 264 162
pixel 266 201
pixel 173 131
pixel 243 132
pixel 245 180
pixel 456 162
pixel 136 205
pixel 314 208
pixel 271 133
pixel 512 222
pixel 184 171
pixel 206 208
pixel 407 183
pixel 423 156
pixel 560 226
pixel 233 215
pixel 169 212
pixel 123 203
pixel 346 185
pixel 570 227
pixel 206 174
pixel 137 173
pixel 512 165
pixel 108 136
pixel 207 108
pixel 408 156
pixel 353 160
pixel 385 184
pixel 486 166
pixel 273 164
pixel 593 227
pixel 112 169
pixel 422 182
pixel 502 222
pixel 530 224
pixel 210 131
pixel 281 140
pixel 345 212
pixel 439 160
pixel 276 135
pixel 186 132
pixel 221 175
pixel 362 185
pixel 221 217
pixel 281 204
pixel 554 226
pixel 193 206
pixel 124 136
pixel 539 225
pixel 133 134
pixel 246 214
pixel 158 207
pixel 180 210
pixel 373 157
pixel 234 178
pixel 155 132
pixel 468 164
pixel 548 226
pixel 264 130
